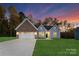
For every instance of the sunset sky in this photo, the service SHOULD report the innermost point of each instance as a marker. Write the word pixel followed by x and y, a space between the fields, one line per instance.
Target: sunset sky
pixel 64 11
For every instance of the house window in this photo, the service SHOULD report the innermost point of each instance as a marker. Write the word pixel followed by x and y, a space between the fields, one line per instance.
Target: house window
pixel 54 34
pixel 41 34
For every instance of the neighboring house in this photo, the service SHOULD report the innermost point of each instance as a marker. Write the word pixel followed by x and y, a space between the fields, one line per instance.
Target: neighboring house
pixel 77 33
pixel 27 30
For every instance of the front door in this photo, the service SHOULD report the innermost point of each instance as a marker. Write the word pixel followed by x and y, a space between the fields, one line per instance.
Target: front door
pixel 47 35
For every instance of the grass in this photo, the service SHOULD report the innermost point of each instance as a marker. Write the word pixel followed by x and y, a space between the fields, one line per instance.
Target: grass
pixel 62 47
pixel 2 39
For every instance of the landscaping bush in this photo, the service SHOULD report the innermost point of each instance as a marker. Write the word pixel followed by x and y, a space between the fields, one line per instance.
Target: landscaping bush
pixel 67 35
pixel 6 35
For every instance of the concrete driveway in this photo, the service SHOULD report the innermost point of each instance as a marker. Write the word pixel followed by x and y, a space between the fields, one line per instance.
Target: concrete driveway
pixel 18 47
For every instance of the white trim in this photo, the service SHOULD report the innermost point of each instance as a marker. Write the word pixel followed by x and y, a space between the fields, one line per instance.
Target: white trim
pixel 49 29
pixel 54 26
pixel 23 22
pixel 32 24
pixel 20 24
pixel 42 26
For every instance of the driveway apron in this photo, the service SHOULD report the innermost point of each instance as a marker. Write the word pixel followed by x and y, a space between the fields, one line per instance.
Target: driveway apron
pixel 17 47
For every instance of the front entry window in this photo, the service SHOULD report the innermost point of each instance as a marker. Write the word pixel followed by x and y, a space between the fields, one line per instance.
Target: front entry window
pixel 41 34
pixel 55 35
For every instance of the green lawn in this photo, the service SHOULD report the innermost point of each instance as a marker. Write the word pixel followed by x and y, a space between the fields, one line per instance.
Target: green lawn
pixel 62 47
pixel 6 38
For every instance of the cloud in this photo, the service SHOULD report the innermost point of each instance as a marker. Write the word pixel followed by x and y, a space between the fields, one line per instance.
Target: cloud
pixel 63 12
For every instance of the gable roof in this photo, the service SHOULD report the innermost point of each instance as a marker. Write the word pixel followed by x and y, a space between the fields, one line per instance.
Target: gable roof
pixel 41 28
pixel 55 28
pixel 48 27
pixel 45 27
pixel 37 26
pixel 23 22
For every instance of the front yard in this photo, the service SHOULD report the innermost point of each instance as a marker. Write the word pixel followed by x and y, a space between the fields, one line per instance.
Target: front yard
pixel 6 38
pixel 62 47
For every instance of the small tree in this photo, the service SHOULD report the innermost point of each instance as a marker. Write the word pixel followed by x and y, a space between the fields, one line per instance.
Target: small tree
pixel 22 16
pixel 14 19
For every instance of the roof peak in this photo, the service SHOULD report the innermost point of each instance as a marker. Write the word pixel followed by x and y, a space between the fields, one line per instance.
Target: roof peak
pixel 24 21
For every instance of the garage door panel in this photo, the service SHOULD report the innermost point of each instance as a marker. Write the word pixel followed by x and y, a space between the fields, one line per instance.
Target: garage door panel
pixel 27 36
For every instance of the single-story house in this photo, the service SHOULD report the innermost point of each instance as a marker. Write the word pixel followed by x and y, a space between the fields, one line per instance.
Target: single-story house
pixel 27 30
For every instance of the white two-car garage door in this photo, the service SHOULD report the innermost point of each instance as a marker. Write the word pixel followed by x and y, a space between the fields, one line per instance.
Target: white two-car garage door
pixel 27 36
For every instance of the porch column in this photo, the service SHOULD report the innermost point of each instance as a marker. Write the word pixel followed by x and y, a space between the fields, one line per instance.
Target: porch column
pixel 51 34
pixel 45 35
pixel 37 35
pixel 58 35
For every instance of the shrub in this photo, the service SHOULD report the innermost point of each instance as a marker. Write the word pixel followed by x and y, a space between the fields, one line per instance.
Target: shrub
pixel 67 35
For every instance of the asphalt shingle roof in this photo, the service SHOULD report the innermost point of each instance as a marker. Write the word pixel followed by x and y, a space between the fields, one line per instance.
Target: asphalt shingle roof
pixel 48 27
